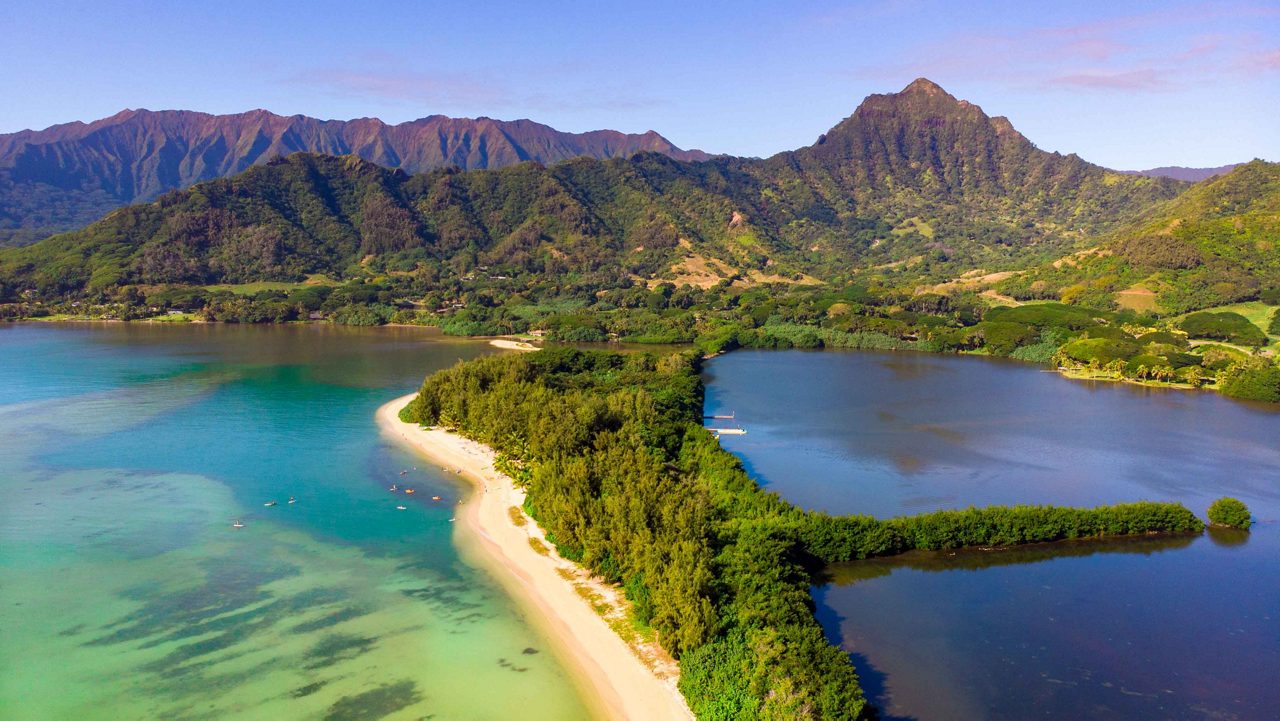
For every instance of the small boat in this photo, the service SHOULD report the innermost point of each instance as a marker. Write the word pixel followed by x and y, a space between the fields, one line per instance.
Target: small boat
pixel 409 490
pixel 403 472
pixel 451 520
pixel 292 499
pixel 401 508
pixel 269 504
pixel 394 488
pixel 435 498
pixel 238 524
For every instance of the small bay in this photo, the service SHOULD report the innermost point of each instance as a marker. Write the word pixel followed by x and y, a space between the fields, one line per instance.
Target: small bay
pixel 1179 628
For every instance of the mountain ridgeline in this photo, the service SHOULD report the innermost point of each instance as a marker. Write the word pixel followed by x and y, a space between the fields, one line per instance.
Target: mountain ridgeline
pixel 915 183
pixel 67 176
pixel 1178 172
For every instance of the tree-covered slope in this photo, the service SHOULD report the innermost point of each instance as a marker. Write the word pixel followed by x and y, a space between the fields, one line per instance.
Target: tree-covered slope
pixel 915 185
pixel 1217 243
pixel 68 175
pixel 955 184
pixel 324 214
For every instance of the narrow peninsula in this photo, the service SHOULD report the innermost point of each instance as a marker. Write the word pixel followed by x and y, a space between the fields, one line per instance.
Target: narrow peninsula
pixel 607 453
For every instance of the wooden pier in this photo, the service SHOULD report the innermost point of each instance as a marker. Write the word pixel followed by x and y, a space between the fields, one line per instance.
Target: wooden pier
pixel 724 431
pixel 728 431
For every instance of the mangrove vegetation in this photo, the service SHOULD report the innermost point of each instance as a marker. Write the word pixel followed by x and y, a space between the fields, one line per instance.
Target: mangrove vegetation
pixel 625 480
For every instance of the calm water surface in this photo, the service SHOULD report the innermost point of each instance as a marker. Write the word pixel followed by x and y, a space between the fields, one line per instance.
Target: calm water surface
pixel 126 452
pixel 1153 629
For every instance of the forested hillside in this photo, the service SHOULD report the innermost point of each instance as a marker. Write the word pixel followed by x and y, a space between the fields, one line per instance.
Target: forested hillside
pixel 959 189
pixel 67 176
pixel 915 186
pixel 1217 243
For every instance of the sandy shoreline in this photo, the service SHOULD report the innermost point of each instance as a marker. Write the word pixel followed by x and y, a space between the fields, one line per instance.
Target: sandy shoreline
pixel 623 680
pixel 512 344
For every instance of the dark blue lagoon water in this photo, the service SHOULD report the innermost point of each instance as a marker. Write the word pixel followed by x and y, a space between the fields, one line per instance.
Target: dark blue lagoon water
pixel 1153 629
pixel 127 451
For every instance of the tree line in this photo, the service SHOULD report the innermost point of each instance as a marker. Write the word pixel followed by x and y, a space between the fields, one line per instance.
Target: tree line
pixel 625 480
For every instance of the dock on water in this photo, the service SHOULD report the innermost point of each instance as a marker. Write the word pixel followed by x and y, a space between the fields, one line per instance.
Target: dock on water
pixel 724 431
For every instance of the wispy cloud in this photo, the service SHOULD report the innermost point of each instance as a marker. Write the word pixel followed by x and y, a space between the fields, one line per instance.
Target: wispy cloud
pixel 1265 60
pixel 1150 52
pixel 404 86
pixel 390 79
pixel 1143 79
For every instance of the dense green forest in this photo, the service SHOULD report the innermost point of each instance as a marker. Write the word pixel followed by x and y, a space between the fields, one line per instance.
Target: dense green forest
pixel 624 480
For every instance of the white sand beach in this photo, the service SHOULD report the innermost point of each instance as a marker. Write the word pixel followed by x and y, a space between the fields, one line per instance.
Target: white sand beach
pixel 625 679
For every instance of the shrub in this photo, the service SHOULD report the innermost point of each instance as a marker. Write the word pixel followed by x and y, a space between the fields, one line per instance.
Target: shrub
pixel 1226 326
pixel 1182 360
pixel 574 329
pixel 1252 382
pixel 1227 511
pixel 1042 315
pixel 720 340
pixel 1106 331
pixel 1218 357
pixel 1163 337
pixel 1007 526
pixel 1103 350
pixel 949 340
pixel 1002 338
pixel 413 317
pixel 363 314
pixel 1051 339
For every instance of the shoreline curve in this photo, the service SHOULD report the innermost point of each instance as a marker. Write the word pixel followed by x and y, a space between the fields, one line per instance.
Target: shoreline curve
pixel 560 595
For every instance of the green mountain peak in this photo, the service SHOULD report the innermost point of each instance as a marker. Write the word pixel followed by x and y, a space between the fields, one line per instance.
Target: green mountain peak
pixel 924 86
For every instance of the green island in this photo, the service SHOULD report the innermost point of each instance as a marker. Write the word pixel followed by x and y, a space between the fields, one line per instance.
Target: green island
pixel 625 480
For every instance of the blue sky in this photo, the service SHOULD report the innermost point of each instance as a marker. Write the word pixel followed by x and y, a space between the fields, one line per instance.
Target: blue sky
pixel 1124 84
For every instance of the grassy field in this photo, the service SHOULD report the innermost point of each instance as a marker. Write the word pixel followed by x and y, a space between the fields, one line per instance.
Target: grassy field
pixel 252 288
pixel 1137 298
pixel 173 318
pixel 919 225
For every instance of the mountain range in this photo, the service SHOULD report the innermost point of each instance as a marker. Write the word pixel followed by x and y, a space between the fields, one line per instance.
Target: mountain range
pixel 1178 172
pixel 912 185
pixel 69 175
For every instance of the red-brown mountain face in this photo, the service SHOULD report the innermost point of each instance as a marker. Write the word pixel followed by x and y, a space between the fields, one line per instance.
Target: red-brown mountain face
pixel 927 139
pixel 68 175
